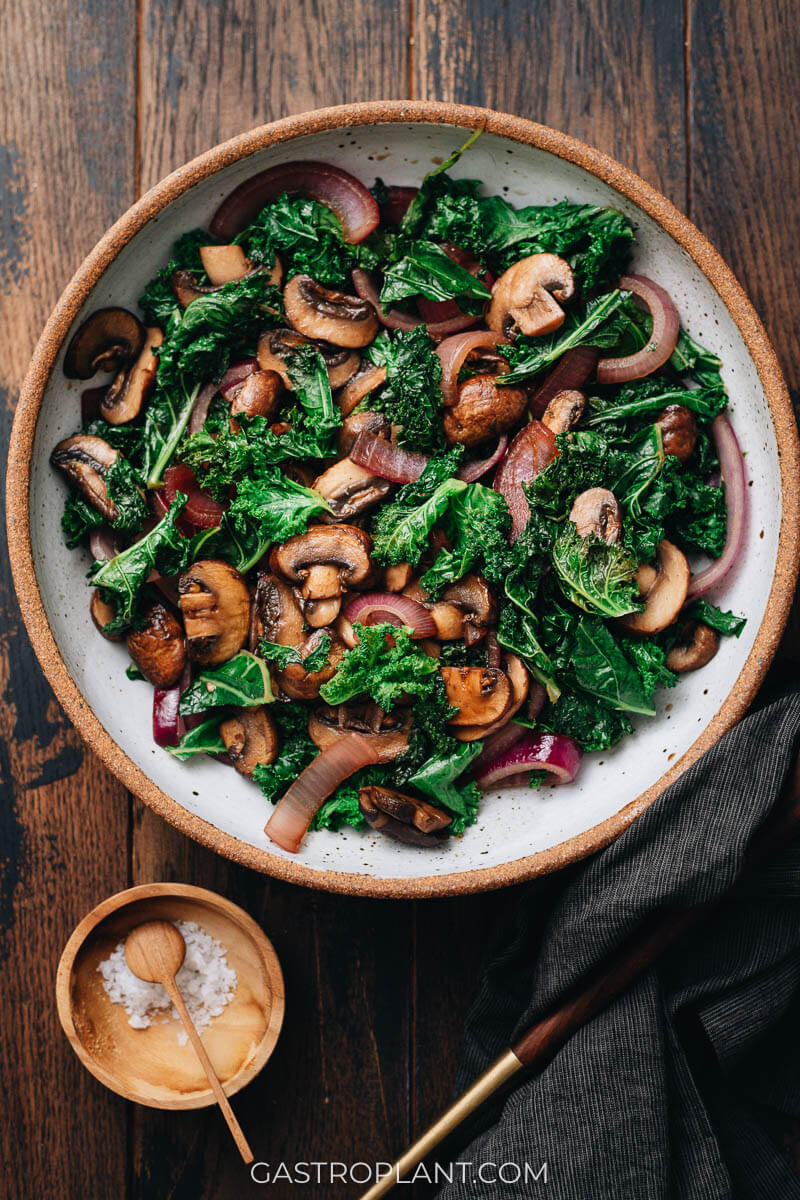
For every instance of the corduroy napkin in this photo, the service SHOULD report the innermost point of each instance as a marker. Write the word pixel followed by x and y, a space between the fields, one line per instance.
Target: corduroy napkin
pixel 664 1094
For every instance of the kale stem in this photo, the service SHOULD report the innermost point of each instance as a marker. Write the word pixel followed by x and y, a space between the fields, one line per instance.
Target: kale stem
pixel 170 445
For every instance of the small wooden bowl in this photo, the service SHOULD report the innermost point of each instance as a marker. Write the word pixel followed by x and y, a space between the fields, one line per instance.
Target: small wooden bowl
pixel 149 1065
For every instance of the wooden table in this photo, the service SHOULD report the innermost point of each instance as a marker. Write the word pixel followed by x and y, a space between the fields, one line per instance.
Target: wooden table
pixel 101 98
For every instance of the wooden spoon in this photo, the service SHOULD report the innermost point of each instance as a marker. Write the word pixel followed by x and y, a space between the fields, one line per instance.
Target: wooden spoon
pixel 155 952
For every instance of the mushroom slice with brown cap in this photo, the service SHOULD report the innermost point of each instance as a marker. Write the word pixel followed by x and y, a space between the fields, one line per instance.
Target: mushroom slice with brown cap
pixel 527 297
pixel 85 460
pixel 405 818
pixel 366 380
pixel 483 411
pixel 250 738
pixel 396 578
pixel 105 341
pixel 520 683
pixel 481 694
pixel 300 684
pixel 215 605
pixel 362 422
pixel 277 615
pixel 159 648
pixel 103 614
pixel 224 264
pixel 663 590
pixel 697 646
pixel 565 410
pixel 466 609
pixel 125 397
pixel 256 396
pixel 325 560
pixel 321 312
pixel 596 513
pixel 678 431
pixel 275 345
pixel 389 736
pixel 349 489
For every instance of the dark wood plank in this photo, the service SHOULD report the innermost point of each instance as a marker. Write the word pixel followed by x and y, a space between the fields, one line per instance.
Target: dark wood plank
pixel 63 819
pixel 337 1087
pixel 613 75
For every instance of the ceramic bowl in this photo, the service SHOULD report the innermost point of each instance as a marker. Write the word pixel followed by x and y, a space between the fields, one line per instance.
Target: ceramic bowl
pixel 520 833
pixel 151 1066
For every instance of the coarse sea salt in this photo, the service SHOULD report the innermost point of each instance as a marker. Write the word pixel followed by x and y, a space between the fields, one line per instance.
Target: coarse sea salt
pixel 205 981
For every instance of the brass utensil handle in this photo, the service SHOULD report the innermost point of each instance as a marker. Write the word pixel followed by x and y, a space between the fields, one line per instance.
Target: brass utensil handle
pixel 506 1066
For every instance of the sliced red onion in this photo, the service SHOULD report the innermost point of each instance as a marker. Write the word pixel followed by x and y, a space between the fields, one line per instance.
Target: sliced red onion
pixel 91 399
pixel 396 204
pixel 373 608
pixel 202 510
pixel 345 195
pixel 385 460
pixel 168 725
pixel 453 353
pixel 530 452
pixel 236 375
pixel 102 544
pixel 536 698
pixel 496 744
pixel 732 469
pixel 571 371
pixel 197 417
pixel 474 470
pixel 394 319
pixel 554 753
pixel 295 811
pixel 663 339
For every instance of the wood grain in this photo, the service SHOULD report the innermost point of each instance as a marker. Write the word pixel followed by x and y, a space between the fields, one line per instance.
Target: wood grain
pixel 67 104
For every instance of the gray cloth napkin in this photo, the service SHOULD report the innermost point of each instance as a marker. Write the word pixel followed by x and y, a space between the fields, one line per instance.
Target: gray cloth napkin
pixel 665 1093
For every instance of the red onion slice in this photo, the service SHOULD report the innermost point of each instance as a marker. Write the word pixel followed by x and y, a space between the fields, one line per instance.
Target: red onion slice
pixel 474 470
pixel 202 510
pixel 453 353
pixel 394 319
pixel 554 753
pixel 345 195
pixel 536 698
pixel 91 399
pixel 236 374
pixel 571 371
pixel 168 726
pixel 497 743
pixel 372 608
pixel 663 339
pixel 530 452
pixel 199 412
pixel 295 811
pixel 732 469
pixel 102 544
pixel 385 460
pixel 396 204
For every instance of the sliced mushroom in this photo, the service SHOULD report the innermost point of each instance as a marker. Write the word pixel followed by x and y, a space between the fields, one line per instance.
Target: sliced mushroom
pixel 103 614
pixel 564 411
pixel 663 589
pixel 415 822
pixel 159 648
pixel 320 312
pixel 596 513
pixel 518 677
pixel 527 297
pixel 300 684
pixel 398 577
pixel 106 341
pixel 224 264
pixel 349 489
pixel 321 613
pixel 325 560
pixel 466 609
pixel 250 738
pixel 275 345
pixel 483 411
pixel 85 461
pixel 187 289
pixel 125 397
pixel 215 605
pixel 276 614
pixel 481 694
pixel 389 736
pixel 256 396
pixel 362 422
pixel 697 646
pixel 367 379
pixel 678 431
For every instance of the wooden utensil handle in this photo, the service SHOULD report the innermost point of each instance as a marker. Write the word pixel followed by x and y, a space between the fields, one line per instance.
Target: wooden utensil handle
pixel 211 1074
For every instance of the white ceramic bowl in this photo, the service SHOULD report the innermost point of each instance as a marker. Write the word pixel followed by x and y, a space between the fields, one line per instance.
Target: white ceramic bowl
pixel 519 832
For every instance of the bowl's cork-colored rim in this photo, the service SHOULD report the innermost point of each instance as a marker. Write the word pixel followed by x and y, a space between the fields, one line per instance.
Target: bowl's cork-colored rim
pixel 353 115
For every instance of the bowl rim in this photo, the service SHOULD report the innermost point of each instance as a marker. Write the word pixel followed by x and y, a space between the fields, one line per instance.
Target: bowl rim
pixel 181 891
pixel 285 130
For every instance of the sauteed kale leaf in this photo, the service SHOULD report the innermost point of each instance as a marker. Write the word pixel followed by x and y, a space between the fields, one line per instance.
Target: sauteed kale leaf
pixel 411 397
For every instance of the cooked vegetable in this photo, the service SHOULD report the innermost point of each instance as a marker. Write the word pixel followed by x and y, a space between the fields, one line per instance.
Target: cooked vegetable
pixel 242 681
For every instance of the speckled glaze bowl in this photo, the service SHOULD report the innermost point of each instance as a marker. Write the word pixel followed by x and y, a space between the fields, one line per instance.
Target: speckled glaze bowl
pixel 520 833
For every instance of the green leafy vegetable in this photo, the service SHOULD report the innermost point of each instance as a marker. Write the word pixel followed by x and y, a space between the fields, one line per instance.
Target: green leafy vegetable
pixel 599 326
pixel 78 519
pixel 377 668
pixel 414 216
pixel 426 270
pixel 597 577
pixel 437 778
pixel 282 656
pixel 269 507
pixel 647 396
pixel 601 669
pixel 203 739
pixel 411 396
pixel 123 488
pixel 592 724
pixel 121 579
pixel 159 302
pixel 242 681
pixel 476 523
pixel 295 753
pixel 649 658
pixel 716 618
